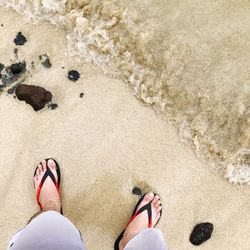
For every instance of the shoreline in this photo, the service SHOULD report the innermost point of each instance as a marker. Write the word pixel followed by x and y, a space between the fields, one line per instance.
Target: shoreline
pixel 106 143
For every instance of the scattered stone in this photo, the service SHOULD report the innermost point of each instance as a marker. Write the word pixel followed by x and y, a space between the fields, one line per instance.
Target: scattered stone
pixel 63 67
pixel 32 64
pixel 73 75
pixel 201 233
pixel 14 96
pixel 12 90
pixel 7 78
pixel 20 39
pixel 137 191
pixel 1 67
pixel 1 25
pixel 17 68
pixel 16 51
pixel 13 73
pixel 53 106
pixel 45 61
pixel 81 95
pixel 35 96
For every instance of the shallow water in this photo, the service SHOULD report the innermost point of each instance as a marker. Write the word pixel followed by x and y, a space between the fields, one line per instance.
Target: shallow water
pixel 189 60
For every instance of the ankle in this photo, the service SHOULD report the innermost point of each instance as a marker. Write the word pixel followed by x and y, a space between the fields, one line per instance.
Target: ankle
pixel 52 206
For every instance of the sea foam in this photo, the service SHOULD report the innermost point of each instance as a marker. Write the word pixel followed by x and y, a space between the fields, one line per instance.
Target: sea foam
pixel 188 61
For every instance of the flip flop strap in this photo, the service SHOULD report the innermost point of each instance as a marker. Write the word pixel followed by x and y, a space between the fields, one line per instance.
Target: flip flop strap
pixel 46 174
pixel 142 209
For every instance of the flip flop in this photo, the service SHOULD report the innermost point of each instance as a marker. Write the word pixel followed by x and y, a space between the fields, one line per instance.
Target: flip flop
pixel 142 209
pixel 48 173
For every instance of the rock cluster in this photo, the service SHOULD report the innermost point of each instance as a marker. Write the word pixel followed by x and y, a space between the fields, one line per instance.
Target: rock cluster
pixel 13 75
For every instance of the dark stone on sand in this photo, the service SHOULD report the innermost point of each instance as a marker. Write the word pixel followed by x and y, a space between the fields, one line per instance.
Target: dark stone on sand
pixel 16 51
pixel 20 39
pixel 137 191
pixel 73 75
pixel 12 73
pixel 81 95
pixel 1 67
pixel 53 106
pixel 12 90
pixel 35 96
pixel 17 68
pixel 201 233
pixel 45 60
pixel 1 25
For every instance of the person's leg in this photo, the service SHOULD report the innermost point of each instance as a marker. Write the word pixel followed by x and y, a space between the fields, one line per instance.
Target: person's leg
pixel 137 234
pixel 47 229
pixel 147 239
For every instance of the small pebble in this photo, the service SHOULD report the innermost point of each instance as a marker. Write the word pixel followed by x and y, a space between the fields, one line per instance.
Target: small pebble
pixel 11 90
pixel 15 50
pixel 53 106
pixel 73 75
pixel 17 68
pixel 45 60
pixel 20 39
pixel 81 95
pixel 1 25
pixel 201 233
pixel 137 191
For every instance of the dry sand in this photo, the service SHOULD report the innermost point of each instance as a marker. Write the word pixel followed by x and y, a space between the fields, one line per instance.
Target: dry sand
pixel 106 143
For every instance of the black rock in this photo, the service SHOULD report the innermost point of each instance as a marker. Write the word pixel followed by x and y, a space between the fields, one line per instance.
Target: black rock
pixel 1 25
pixel 201 233
pixel 53 106
pixel 16 51
pixel 81 95
pixel 137 191
pixel 17 68
pixel 20 39
pixel 73 75
pixel 35 96
pixel 45 61
pixel 1 67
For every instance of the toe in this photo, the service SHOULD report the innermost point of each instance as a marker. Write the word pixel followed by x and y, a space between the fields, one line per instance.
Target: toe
pixel 158 203
pixel 158 209
pixel 148 197
pixel 51 164
pixel 158 217
pixel 44 165
pixel 155 200
pixel 39 170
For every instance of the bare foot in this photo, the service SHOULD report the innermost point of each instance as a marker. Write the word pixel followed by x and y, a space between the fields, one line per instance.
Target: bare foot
pixel 141 221
pixel 49 196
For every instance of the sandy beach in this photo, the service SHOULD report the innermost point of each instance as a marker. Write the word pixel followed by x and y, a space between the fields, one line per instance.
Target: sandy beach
pixel 106 143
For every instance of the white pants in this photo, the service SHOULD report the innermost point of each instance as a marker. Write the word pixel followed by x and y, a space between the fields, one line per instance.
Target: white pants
pixel 52 231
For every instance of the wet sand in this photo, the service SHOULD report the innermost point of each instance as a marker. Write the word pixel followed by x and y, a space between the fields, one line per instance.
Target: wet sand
pixel 106 143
